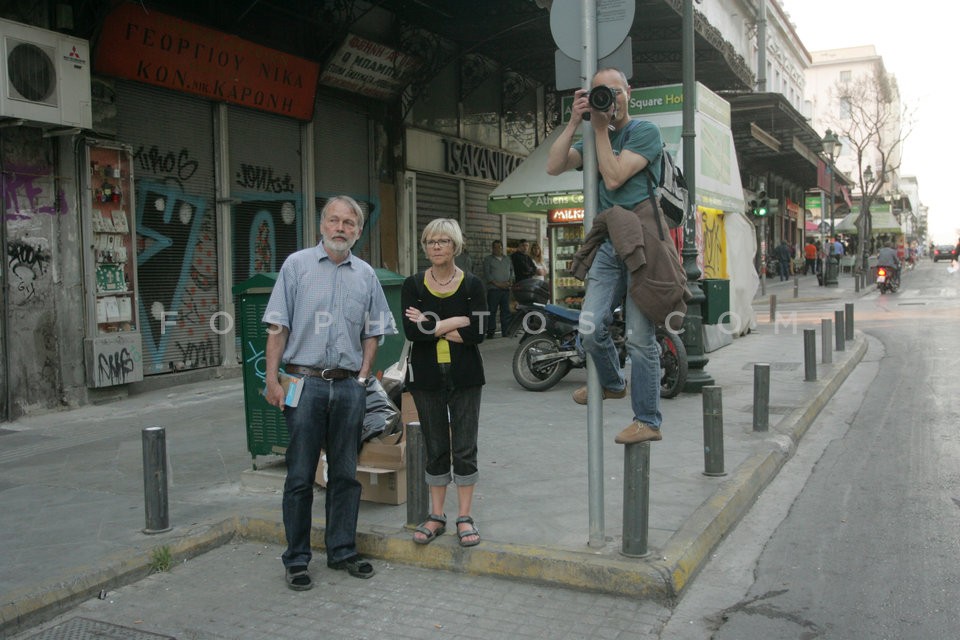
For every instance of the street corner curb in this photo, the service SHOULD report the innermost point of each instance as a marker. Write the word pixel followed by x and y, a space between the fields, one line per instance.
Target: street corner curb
pixel 35 604
pixel 600 572
pixel 689 548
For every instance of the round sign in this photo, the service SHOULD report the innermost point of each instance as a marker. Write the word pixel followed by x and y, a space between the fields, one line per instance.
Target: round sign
pixel 614 19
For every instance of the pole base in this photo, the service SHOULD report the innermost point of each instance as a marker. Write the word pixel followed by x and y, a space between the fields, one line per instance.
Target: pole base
pixel 151 532
pixel 714 474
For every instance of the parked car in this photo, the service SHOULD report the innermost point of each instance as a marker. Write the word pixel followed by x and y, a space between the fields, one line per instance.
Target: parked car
pixel 943 252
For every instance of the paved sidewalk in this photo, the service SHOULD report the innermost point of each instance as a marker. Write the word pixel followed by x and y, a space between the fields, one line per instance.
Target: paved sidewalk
pixel 71 485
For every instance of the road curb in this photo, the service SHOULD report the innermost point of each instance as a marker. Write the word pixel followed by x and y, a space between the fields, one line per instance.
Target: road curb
pixel 689 548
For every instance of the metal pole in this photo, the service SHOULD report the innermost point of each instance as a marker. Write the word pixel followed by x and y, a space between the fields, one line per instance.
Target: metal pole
pixel 809 355
pixel 418 496
pixel 848 316
pixel 588 68
pixel 636 499
pixel 713 431
pixel 826 340
pixel 155 500
pixel 761 396
pixel 796 286
pixel 841 332
pixel 856 283
pixel 773 307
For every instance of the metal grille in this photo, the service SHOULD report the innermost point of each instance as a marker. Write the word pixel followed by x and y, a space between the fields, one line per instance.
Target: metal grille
pixel 482 228
pixel 436 198
pixel 87 629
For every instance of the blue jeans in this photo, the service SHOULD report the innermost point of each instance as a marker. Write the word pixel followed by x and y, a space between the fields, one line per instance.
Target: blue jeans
pixel 450 420
pixel 498 299
pixel 329 416
pixel 606 287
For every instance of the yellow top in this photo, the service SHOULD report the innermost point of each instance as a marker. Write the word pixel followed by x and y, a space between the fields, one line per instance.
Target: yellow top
pixel 443 345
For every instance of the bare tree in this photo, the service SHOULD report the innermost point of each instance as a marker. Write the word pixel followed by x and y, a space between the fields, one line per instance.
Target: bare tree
pixel 875 124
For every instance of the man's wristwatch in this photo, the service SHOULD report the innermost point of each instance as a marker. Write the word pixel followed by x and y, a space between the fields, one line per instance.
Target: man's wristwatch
pixel 362 380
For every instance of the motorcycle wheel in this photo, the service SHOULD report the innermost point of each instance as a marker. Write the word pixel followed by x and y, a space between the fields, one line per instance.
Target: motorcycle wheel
pixel 673 363
pixel 538 377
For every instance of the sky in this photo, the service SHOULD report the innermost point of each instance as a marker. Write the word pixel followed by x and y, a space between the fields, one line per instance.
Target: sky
pixel 917 41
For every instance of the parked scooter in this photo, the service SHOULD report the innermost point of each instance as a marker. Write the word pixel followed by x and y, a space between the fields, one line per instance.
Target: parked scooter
pixel 888 279
pixel 550 344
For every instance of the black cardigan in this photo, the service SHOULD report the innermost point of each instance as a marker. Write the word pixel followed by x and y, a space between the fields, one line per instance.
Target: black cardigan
pixel 466 364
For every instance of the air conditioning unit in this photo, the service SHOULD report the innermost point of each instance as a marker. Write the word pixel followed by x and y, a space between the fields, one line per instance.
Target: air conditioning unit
pixel 45 76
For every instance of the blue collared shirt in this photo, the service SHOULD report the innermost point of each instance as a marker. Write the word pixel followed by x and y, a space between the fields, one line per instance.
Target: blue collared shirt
pixel 329 309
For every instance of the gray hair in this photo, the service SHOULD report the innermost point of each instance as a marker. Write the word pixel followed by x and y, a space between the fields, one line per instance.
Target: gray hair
pixel 443 227
pixel 347 200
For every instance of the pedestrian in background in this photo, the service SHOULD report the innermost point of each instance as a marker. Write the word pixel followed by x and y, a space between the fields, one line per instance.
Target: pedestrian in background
pixel 810 257
pixel 536 254
pixel 782 253
pixel 443 313
pixel 334 358
pixel 498 276
pixel 523 266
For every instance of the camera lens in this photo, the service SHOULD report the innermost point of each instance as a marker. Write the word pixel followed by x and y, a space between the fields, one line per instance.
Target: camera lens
pixel 601 98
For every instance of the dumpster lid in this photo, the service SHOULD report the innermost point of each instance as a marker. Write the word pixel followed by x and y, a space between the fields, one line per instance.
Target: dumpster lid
pixel 385 276
pixel 258 281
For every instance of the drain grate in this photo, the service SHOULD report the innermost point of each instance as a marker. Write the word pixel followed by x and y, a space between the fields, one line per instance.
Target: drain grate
pixel 87 629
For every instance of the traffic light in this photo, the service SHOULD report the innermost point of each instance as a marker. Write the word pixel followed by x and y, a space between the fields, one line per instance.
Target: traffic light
pixel 752 207
pixel 763 207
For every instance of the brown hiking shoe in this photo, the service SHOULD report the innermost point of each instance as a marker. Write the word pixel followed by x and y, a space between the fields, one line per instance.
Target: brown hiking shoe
pixel 638 431
pixel 580 395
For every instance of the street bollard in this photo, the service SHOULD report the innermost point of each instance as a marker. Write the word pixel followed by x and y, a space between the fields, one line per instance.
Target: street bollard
pixel 809 355
pixel 796 286
pixel 841 330
pixel 856 283
pixel 761 396
pixel 636 499
pixel 713 431
pixel 773 307
pixel 826 340
pixel 418 497
pixel 848 317
pixel 155 500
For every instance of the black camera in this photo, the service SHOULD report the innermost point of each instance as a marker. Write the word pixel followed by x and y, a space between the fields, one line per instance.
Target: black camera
pixel 601 98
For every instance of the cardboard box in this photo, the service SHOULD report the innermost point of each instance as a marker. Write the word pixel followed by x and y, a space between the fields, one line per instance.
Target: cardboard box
pixel 408 410
pixel 381 469
pixel 385 487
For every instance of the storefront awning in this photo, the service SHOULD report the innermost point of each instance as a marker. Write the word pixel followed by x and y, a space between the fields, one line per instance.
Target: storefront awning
pixel 530 189
pixel 882 222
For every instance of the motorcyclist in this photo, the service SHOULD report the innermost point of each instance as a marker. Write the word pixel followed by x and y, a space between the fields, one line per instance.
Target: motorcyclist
pixel 887 257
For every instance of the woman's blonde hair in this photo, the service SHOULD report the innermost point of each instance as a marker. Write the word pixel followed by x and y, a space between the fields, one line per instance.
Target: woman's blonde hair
pixel 443 227
pixel 535 251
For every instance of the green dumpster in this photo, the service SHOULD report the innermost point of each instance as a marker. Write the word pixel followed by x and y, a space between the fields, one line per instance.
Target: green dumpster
pixel 389 352
pixel 266 428
pixel 717 303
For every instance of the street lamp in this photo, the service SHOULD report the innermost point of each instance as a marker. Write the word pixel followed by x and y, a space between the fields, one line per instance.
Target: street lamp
pixel 831 146
pixel 865 223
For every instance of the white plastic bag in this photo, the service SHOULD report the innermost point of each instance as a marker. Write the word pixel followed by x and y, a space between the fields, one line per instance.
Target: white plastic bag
pixel 395 375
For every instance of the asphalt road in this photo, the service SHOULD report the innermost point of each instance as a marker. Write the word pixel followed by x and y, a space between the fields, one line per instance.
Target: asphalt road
pixel 859 536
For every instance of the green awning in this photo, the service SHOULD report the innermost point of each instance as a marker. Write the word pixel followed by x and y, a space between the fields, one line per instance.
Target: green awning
pixel 530 189
pixel 882 221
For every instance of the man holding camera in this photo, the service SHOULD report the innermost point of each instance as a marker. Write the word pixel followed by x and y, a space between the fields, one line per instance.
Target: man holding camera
pixel 624 150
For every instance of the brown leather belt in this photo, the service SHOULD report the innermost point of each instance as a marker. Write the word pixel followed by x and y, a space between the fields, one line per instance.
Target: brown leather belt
pixel 326 374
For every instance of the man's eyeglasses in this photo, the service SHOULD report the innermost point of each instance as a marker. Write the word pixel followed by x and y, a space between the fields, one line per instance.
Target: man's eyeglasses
pixel 440 242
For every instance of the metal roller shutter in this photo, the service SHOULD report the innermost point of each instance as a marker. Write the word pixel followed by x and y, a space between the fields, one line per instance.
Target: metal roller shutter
pixel 436 198
pixel 177 262
pixel 265 179
pixel 342 152
pixel 522 228
pixel 482 228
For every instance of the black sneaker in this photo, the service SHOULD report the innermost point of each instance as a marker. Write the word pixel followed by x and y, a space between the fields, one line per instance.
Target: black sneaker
pixel 298 579
pixel 355 566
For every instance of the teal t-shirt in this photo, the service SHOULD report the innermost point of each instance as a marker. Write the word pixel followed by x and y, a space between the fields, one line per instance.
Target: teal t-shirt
pixel 643 138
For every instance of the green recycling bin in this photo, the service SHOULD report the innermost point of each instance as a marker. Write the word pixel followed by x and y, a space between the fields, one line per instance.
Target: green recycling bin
pixel 716 306
pixel 266 429
pixel 389 352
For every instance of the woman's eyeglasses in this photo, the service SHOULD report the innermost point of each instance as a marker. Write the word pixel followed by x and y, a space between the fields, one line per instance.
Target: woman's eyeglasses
pixel 441 242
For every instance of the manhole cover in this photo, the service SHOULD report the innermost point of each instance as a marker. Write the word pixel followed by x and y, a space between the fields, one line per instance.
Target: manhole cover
pixel 87 629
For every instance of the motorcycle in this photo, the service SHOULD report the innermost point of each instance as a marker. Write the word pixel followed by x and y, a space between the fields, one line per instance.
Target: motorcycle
pixel 887 280
pixel 550 346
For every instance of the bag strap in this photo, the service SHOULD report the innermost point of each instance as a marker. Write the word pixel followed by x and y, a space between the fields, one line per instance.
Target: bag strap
pixel 657 213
